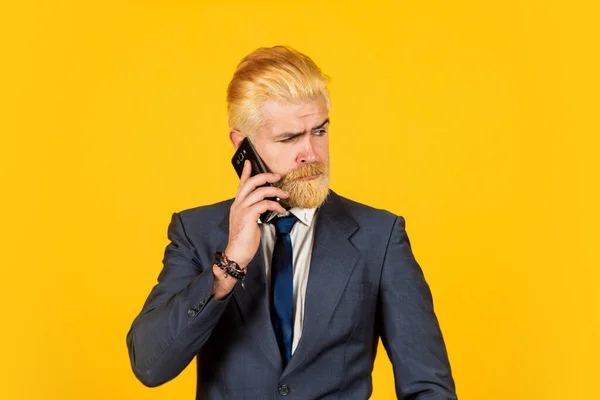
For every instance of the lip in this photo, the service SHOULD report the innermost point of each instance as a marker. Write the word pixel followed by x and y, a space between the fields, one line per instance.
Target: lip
pixel 308 178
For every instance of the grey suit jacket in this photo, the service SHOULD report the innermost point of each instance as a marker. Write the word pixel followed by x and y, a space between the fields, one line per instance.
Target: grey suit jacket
pixel 364 283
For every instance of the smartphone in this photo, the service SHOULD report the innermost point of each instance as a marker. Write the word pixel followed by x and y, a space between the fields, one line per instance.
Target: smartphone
pixel 247 152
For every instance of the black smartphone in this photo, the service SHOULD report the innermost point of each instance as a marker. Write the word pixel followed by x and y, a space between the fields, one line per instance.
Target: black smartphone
pixel 247 152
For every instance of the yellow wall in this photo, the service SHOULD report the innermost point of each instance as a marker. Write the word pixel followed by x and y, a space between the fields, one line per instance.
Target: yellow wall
pixel 475 120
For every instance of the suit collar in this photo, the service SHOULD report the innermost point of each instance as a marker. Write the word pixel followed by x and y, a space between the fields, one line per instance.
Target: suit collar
pixel 332 263
pixel 334 210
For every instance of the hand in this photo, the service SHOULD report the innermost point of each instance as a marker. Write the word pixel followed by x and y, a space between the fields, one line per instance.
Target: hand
pixel 250 202
pixel 244 234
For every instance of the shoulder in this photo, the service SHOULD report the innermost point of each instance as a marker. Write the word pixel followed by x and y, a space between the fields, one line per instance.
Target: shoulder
pixel 210 213
pixel 366 216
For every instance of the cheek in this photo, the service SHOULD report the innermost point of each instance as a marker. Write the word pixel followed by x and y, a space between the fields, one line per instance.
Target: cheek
pixel 322 150
pixel 279 162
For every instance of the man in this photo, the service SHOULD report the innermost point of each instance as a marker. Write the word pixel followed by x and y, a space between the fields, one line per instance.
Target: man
pixel 322 281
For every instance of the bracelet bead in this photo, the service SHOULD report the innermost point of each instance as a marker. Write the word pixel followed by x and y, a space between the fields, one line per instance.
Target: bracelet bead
pixel 229 267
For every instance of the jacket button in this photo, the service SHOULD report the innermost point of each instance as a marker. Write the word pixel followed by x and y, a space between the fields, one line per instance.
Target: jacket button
pixel 191 313
pixel 283 390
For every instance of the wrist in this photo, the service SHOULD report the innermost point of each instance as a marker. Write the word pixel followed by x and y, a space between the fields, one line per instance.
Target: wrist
pixel 234 255
pixel 223 284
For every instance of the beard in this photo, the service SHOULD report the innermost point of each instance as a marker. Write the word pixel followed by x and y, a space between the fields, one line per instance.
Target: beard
pixel 305 194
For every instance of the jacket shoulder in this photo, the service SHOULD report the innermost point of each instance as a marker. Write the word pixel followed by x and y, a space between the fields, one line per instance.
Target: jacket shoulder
pixel 366 215
pixel 211 212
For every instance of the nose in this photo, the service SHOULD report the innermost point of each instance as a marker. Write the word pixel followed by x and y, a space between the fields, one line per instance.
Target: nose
pixel 307 154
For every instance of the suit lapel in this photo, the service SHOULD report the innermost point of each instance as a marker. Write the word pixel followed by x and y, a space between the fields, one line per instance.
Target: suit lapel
pixel 253 303
pixel 332 262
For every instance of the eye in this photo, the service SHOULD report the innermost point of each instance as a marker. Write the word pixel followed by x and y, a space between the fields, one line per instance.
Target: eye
pixel 320 132
pixel 290 139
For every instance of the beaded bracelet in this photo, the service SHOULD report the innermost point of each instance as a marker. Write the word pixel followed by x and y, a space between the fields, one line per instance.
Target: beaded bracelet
pixel 230 267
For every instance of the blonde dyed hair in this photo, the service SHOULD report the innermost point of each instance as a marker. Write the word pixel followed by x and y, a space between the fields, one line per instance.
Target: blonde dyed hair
pixel 276 73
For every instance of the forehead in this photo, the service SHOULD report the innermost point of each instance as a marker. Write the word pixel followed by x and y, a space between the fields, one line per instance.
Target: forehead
pixel 282 116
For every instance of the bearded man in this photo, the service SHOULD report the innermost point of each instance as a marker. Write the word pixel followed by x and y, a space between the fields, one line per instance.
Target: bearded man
pixel 323 280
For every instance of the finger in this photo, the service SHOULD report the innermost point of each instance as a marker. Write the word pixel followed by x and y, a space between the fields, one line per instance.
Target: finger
pixel 257 209
pixel 246 173
pixel 262 193
pixel 256 181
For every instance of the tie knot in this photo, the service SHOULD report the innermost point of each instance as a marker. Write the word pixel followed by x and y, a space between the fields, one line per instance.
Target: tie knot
pixel 284 225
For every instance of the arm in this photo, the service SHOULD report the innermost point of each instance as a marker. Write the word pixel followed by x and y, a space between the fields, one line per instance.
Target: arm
pixel 409 328
pixel 178 316
pixel 184 308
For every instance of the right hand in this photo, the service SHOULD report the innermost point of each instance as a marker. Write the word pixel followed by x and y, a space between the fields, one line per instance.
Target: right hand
pixel 249 204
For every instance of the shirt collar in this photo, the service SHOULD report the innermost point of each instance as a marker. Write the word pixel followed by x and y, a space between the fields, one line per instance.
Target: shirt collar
pixel 304 215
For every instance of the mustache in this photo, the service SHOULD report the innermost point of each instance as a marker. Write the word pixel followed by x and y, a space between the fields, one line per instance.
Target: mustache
pixel 306 170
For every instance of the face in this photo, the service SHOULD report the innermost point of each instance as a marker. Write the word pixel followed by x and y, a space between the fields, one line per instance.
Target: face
pixel 293 142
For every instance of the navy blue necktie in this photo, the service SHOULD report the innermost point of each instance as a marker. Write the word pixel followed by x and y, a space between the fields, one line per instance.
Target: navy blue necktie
pixel 282 286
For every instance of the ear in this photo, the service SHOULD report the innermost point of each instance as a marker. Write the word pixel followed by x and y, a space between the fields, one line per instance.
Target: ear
pixel 236 138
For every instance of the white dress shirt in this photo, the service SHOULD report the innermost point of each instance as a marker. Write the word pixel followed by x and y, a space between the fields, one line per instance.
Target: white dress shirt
pixel 302 236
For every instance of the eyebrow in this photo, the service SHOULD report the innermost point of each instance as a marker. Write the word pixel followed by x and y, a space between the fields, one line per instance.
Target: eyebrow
pixel 288 135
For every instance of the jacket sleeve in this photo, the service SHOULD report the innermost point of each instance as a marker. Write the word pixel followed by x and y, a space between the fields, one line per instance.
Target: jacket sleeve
pixel 409 328
pixel 178 316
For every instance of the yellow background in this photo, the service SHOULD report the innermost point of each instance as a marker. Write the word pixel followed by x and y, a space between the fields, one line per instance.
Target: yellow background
pixel 475 120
